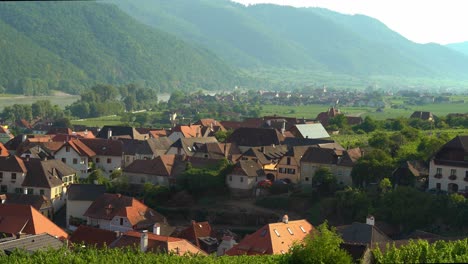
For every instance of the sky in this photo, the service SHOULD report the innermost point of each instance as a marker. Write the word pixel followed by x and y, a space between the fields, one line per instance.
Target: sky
pixel 421 21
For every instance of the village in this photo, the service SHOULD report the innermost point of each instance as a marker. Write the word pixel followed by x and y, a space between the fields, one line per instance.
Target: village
pixel 194 188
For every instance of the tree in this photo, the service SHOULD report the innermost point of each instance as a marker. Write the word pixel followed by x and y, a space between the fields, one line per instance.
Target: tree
pixel 385 185
pixel 372 167
pixel 323 246
pixel 339 121
pixel 324 180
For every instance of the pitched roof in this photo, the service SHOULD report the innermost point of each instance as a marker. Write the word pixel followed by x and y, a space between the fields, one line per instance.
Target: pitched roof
pixel 119 131
pixel 104 147
pixel 109 205
pixel 327 156
pixel 158 133
pixel 3 151
pixel 195 231
pixel 453 153
pixel 4 130
pixel 59 130
pixel 80 148
pixel 266 154
pixel 85 192
pixel 275 238
pixel 424 115
pixel 314 131
pixel 248 168
pixel 13 164
pixel 157 243
pixel 291 142
pixel 135 146
pixel 45 173
pixel 254 137
pixel 31 243
pixel 362 233
pixel 160 166
pixel 160 145
pixel 190 145
pixel 36 201
pixel 16 218
pixel 188 131
pixel 93 236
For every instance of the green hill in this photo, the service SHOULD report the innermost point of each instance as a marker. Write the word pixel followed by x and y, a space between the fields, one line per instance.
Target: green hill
pixel 271 36
pixel 460 47
pixel 71 45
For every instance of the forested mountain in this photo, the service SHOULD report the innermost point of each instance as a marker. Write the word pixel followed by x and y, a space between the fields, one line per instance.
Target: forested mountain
pixel 71 45
pixel 461 47
pixel 300 38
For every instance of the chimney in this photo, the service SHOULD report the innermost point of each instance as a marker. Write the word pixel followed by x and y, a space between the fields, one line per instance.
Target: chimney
pixel 283 128
pixel 109 133
pixel 157 229
pixel 285 219
pixel 144 241
pixel 370 220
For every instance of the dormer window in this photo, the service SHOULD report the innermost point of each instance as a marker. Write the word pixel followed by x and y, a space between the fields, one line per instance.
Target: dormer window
pixel 67 149
pixel 302 229
pixel 276 232
pixel 13 176
pixel 290 231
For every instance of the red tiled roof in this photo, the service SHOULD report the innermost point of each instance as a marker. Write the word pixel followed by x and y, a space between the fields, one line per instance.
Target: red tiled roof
pixel 158 133
pixel 3 151
pixel 105 147
pixel 157 243
pixel 80 148
pixel 13 164
pixel 195 231
pixel 188 131
pixel 160 166
pixel 274 238
pixel 93 236
pixel 15 218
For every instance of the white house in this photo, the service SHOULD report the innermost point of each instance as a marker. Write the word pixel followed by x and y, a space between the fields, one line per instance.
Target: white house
pixel 79 199
pixel 77 155
pixel 12 174
pixel 109 153
pixel 158 171
pixel 448 168
pixel 244 177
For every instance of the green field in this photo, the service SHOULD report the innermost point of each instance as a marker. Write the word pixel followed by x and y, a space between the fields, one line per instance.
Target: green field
pixel 99 121
pixel 61 100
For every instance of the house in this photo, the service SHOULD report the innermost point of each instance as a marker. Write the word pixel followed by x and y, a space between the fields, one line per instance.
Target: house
pixel 161 170
pixel 113 132
pixel 185 131
pixel 77 155
pixel 245 137
pixel 424 115
pixel 210 126
pixel 288 167
pixel 324 117
pixel 38 202
pixel 24 219
pixel 363 233
pixel 79 199
pixel 411 173
pixel 135 150
pixel 267 157
pixel 227 242
pixel 158 133
pixel 150 242
pixel 121 213
pixel 244 177
pixel 448 168
pixel 274 238
pixel 94 237
pixel 109 153
pixel 339 161
pixel 314 131
pixel 49 178
pixel 31 243
pixel 188 146
pixel 12 174
pixel 201 235
pixel 5 134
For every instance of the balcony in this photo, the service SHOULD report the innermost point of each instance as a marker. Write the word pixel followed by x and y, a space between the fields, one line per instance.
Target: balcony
pixel 438 176
pixel 452 177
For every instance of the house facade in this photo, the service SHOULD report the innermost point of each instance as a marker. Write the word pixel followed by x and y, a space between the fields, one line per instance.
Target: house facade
pixel 109 154
pixel 244 178
pixel 76 155
pixel 448 168
pixel 12 174
pixel 79 199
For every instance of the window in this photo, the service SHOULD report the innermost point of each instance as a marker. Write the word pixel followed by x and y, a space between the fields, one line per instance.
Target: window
pixel 1 175
pixel 466 174
pixel 306 178
pixel 291 171
pixel 75 161
pixel 67 149
pixel 276 232
pixel 438 186
pixel 30 191
pixel 439 171
pixel 64 160
pixel 121 220
pixel 3 188
pixel 302 229
pixel 18 190
pixel 13 176
pixel 97 160
pixel 41 192
pixel 290 231
pixel 241 179
pixel 453 172
pixel 230 177
pixel 109 160
pixel 82 161
pixel 288 161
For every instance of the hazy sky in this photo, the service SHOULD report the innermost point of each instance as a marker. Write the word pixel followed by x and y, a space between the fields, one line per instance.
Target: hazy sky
pixel 422 21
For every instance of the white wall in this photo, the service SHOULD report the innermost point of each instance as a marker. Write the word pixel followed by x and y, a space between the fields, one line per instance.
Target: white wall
pixel 444 181
pixel 107 168
pixel 141 178
pixel 12 184
pixel 76 209
pixel 82 161
pixel 342 173
pixel 233 181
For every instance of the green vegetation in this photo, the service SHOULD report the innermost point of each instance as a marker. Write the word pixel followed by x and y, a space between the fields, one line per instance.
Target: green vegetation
pixel 423 252
pixel 301 40
pixel 73 45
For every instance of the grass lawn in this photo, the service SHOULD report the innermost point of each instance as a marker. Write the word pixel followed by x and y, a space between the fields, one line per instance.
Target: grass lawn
pixel 98 121
pixel 61 101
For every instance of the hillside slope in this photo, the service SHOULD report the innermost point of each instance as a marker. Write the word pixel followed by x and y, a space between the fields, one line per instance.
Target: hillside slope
pixel 69 45
pixel 300 38
pixel 460 47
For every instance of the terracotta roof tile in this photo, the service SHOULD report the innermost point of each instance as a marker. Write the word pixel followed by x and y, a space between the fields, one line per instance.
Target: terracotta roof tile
pixel 16 218
pixel 104 147
pixel 93 236
pixel 46 173
pixel 161 166
pixel 3 151
pixel 13 164
pixel 275 238
pixel 195 231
